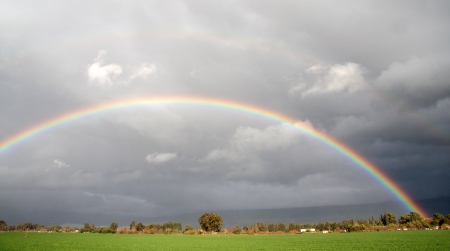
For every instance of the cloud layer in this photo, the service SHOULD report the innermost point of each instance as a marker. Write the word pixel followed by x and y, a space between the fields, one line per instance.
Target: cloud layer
pixel 372 74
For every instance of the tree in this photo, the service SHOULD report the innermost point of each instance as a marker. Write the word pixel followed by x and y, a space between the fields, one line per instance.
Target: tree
pixel 86 228
pixel 256 227
pixel 113 226
pixel 291 226
pixel 210 222
pixel 3 225
pixel 412 216
pixel 413 220
pixel 52 227
pixel 27 226
pixel 281 227
pixel 139 227
pixel 132 225
pixel 388 218
pixel 38 227
pixel 237 230
pixel 262 226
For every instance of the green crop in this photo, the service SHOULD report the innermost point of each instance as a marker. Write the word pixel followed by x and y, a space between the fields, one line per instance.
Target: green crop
pixel 389 240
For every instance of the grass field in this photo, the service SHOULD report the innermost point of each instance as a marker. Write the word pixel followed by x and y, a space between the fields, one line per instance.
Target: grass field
pixel 396 240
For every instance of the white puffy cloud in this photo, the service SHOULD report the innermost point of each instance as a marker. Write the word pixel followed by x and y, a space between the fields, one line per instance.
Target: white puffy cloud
pixel 346 77
pixel 143 71
pixel 60 164
pixel 103 74
pixel 159 158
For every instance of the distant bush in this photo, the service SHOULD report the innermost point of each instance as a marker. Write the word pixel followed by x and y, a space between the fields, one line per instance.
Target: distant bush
pixel 237 230
pixel 125 230
pixel 356 228
pixel 107 231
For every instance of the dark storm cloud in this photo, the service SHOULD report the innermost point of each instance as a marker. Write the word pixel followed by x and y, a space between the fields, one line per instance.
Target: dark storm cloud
pixel 371 74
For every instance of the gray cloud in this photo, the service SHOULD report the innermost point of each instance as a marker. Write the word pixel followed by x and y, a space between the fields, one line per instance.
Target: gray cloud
pixel 372 74
pixel 160 157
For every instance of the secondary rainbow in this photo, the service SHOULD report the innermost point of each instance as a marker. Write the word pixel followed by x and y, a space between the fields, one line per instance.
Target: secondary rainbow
pixel 340 147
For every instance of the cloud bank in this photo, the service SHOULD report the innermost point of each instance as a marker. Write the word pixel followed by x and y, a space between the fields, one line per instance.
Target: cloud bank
pixel 372 74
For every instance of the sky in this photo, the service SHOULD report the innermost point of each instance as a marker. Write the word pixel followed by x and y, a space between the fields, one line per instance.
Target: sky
pixel 371 74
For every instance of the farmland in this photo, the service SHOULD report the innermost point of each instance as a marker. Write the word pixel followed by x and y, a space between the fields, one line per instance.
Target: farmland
pixel 389 240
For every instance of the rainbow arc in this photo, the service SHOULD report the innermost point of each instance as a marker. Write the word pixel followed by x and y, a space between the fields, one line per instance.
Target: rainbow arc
pixel 362 162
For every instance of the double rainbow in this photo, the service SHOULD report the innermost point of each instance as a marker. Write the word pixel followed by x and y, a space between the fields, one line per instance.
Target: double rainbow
pixel 340 147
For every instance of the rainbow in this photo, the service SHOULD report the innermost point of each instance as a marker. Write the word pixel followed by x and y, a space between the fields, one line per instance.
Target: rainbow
pixel 340 147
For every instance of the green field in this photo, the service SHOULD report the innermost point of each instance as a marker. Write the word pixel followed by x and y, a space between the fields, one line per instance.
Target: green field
pixel 395 240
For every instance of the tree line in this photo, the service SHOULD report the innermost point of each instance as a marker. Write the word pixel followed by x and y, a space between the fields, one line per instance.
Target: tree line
pixel 386 221
pixel 212 223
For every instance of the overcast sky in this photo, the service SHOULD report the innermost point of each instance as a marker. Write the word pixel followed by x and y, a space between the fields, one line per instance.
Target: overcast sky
pixel 372 74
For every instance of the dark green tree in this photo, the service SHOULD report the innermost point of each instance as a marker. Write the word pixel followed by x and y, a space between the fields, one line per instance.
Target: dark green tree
pixel 85 228
pixel 281 227
pixel 210 222
pixel 388 218
pixel 262 226
pixel 132 225
pixel 27 226
pixel 413 220
pixel 139 227
pixel 412 216
pixel 291 226
pixel 3 225
pixel 114 226
pixel 237 230
pixel 438 219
